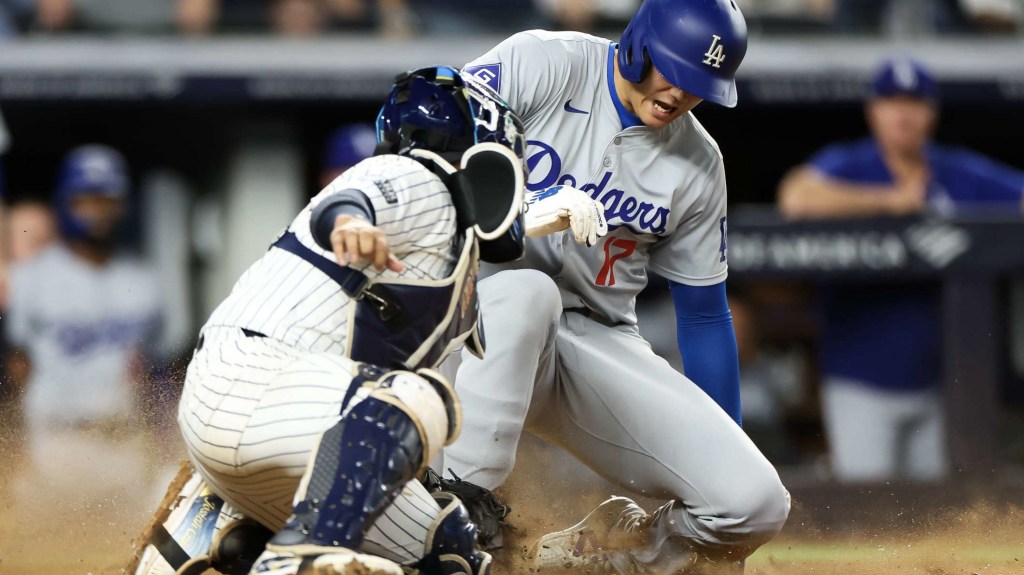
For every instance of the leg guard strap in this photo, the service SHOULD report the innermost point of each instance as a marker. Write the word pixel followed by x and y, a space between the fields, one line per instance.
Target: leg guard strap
pixel 451 546
pixel 194 530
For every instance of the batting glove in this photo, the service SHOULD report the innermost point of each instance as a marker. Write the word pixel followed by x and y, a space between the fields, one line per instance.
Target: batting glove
pixel 562 207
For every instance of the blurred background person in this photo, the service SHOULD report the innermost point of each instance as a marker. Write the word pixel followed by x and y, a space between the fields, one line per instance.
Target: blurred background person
pixel 30 228
pixel 294 18
pixel 994 16
pixel 439 17
pixel 308 18
pixel 137 17
pixel 591 16
pixel 789 16
pixel 771 381
pixel 899 18
pixel 80 317
pixel 346 146
pixel 298 18
pixel 881 343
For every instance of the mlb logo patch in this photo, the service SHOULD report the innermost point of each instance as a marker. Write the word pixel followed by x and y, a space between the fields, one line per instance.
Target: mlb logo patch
pixel 489 74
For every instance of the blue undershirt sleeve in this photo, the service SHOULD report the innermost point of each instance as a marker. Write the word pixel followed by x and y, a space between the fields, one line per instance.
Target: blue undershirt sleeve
pixel 707 343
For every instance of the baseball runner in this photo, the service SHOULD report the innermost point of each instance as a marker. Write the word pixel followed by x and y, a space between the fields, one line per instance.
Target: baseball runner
pixel 310 402
pixel 85 317
pixel 565 360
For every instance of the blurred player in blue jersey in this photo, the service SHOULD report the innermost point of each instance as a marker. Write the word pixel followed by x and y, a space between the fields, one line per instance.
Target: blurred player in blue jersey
pixel 880 353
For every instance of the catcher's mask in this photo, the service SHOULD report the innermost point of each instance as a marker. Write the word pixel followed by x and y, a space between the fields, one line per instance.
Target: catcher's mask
pixel 441 117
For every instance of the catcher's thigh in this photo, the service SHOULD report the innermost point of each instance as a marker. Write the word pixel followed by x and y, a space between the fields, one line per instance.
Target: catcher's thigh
pixel 272 403
pixel 252 411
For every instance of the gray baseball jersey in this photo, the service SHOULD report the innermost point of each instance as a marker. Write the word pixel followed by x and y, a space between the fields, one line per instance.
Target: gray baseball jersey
pixel 81 325
pixel 663 190
pixel 253 408
pixel 588 383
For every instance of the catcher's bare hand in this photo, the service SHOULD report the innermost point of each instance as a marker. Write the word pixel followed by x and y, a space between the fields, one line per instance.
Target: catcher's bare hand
pixel 354 239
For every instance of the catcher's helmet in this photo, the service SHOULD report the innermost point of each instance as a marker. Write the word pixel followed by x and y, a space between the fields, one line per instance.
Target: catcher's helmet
pixel 92 169
pixel 697 45
pixel 438 109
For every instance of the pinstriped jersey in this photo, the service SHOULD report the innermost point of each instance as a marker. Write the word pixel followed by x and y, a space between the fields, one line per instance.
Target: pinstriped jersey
pixel 663 189
pixel 285 297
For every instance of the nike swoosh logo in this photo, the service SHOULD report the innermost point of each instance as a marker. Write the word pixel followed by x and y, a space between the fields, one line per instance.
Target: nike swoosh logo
pixel 569 108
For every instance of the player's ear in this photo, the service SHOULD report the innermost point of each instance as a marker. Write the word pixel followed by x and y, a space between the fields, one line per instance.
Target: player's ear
pixel 491 181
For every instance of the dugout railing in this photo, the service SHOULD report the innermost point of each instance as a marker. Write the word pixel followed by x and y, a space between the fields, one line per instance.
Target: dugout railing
pixel 971 256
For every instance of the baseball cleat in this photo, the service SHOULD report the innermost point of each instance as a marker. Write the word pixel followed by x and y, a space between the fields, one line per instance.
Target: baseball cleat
pixel 602 543
pixel 340 562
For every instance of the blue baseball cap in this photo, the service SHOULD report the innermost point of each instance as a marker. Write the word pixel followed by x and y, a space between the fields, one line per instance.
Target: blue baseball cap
pixel 349 145
pixel 93 169
pixel 90 170
pixel 904 77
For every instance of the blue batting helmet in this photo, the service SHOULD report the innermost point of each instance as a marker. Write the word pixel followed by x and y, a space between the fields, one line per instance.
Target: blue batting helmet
pixel 92 169
pixel 440 110
pixel 697 45
pixel 349 145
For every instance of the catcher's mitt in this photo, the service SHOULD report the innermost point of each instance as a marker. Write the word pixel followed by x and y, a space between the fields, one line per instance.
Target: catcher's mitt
pixel 484 508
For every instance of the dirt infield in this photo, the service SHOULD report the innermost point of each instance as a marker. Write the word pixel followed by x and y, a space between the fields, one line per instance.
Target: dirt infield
pixel 41 535
pixel 876 531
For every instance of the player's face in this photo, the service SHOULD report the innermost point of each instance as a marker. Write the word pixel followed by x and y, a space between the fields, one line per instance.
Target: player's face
pixel 901 123
pixel 656 102
pixel 100 213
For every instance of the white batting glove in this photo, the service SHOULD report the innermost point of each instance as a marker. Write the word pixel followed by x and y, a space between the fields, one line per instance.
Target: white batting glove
pixel 562 207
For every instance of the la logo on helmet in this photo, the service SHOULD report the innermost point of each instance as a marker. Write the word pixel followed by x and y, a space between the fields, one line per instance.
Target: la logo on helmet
pixel 716 52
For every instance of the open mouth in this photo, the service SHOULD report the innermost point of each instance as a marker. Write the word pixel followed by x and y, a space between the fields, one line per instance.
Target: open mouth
pixel 663 108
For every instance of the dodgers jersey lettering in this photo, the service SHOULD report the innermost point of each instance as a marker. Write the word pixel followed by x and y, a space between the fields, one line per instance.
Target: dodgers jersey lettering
pixel 82 325
pixel 285 297
pixel 668 214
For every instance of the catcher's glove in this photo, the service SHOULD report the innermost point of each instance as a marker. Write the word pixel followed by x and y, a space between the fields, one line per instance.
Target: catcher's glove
pixel 484 508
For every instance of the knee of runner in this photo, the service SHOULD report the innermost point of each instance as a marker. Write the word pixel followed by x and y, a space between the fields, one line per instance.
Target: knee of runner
pixel 759 512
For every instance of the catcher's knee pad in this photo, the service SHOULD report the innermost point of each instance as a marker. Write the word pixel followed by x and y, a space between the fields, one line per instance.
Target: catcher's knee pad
pixel 451 546
pixel 381 442
pixel 453 409
pixel 430 402
pixel 194 530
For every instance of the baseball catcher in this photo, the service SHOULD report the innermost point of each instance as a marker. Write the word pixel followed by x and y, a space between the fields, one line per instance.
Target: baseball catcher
pixel 311 405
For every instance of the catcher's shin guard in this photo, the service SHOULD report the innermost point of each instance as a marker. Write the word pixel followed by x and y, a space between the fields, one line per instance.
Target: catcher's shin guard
pixel 363 462
pixel 194 530
pixel 451 546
